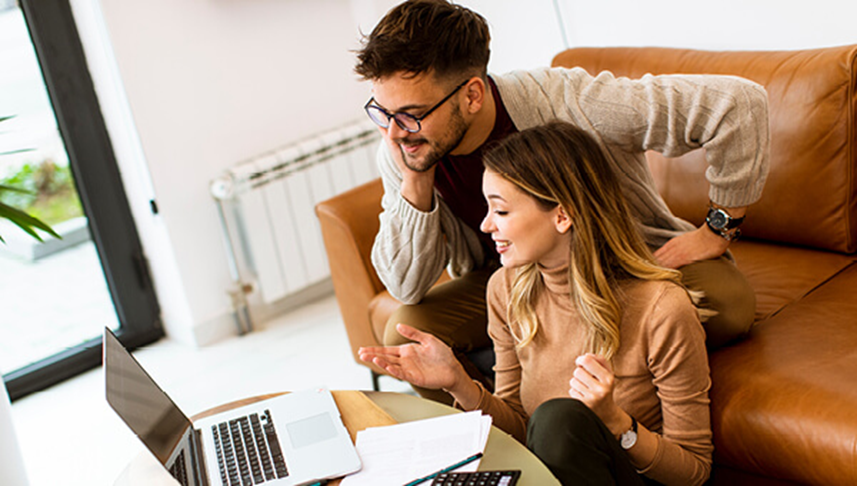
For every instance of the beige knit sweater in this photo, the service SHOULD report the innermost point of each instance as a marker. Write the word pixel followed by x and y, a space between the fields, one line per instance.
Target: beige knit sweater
pixel 661 368
pixel 673 115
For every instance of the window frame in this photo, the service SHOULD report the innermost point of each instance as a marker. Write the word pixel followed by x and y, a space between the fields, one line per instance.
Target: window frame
pixel 93 163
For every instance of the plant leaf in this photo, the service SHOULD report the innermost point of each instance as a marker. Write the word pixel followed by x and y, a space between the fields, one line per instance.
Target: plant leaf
pixel 26 222
pixel 4 187
pixel 19 151
pixel 2 119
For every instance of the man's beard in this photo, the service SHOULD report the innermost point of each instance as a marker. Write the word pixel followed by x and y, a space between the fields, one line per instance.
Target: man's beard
pixel 441 148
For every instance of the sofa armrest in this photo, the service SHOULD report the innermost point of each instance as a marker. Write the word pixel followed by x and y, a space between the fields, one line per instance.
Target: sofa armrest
pixel 349 223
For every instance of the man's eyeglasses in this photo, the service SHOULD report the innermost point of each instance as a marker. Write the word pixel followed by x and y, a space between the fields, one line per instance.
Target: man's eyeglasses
pixel 405 121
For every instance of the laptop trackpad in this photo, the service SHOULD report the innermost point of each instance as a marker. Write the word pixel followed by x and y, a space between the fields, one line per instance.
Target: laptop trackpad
pixel 311 430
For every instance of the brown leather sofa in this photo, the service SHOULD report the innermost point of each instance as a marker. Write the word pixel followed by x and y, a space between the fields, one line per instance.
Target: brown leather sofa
pixel 783 400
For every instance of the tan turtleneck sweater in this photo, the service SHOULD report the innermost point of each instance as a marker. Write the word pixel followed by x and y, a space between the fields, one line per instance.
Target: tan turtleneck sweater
pixel 661 367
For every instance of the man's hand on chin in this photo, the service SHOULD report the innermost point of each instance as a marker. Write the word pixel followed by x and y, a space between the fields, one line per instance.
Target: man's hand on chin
pixel 417 187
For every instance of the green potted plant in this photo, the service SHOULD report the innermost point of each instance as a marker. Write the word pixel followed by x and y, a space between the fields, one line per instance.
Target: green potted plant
pixel 18 217
pixel 22 219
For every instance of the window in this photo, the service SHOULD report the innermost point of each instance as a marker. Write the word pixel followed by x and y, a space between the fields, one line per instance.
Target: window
pixel 93 166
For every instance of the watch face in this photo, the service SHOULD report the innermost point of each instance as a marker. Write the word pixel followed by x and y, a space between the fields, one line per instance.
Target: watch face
pixel 628 439
pixel 717 219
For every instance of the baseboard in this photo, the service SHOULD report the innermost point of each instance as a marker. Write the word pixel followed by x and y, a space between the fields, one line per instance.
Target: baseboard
pixel 226 325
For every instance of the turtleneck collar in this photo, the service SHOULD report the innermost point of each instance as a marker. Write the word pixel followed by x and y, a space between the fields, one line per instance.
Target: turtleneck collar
pixel 556 279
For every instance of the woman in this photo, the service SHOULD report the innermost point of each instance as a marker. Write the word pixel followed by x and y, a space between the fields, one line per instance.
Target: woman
pixel 601 362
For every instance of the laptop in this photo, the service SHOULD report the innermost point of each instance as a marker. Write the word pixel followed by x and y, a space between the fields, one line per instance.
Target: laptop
pixel 292 439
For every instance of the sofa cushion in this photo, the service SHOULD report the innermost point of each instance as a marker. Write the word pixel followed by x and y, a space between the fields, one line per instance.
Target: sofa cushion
pixel 813 132
pixel 781 274
pixel 784 401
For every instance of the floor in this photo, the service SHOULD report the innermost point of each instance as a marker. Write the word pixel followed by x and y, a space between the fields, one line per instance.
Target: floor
pixel 70 436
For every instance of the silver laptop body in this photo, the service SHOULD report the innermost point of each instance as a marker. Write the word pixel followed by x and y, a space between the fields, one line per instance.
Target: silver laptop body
pixel 289 440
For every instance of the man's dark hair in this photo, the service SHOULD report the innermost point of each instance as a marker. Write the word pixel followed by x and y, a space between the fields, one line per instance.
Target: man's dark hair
pixel 421 36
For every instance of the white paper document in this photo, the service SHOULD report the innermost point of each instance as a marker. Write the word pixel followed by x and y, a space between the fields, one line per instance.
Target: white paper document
pixel 398 454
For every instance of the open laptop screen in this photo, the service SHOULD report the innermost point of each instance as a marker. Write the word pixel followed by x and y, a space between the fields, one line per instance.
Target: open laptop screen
pixel 146 409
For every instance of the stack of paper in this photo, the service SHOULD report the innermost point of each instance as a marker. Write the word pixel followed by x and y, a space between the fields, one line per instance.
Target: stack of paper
pixel 398 454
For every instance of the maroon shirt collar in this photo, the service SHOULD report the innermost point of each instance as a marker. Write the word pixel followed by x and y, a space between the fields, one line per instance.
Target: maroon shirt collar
pixel 458 178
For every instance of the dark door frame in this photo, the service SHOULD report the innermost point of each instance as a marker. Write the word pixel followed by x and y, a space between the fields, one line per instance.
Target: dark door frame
pixel 102 194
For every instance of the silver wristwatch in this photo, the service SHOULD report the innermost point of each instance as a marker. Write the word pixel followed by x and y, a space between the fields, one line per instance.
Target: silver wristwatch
pixel 629 437
pixel 722 224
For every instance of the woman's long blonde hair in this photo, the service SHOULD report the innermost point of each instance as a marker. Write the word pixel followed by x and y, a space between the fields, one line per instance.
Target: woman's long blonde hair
pixel 560 164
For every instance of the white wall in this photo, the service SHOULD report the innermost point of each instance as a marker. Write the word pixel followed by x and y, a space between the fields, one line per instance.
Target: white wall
pixel 201 84
pixel 521 37
pixel 720 25
pixel 210 83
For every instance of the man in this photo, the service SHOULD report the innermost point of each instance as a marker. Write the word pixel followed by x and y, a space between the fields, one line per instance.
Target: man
pixel 438 109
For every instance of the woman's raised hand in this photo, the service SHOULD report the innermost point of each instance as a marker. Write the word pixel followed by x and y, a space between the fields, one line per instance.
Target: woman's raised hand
pixel 592 383
pixel 427 362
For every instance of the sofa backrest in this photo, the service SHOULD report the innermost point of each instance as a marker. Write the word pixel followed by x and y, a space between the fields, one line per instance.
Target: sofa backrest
pixel 810 197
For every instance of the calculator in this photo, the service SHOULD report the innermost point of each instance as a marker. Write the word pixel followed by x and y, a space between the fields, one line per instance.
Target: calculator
pixel 479 478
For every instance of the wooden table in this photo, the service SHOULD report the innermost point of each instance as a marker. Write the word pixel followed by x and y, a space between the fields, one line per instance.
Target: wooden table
pixel 368 409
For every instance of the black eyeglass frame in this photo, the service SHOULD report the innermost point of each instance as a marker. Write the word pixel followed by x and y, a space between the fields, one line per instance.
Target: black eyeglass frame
pixel 396 116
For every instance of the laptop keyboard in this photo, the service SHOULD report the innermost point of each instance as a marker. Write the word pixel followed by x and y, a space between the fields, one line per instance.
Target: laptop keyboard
pixel 178 469
pixel 248 450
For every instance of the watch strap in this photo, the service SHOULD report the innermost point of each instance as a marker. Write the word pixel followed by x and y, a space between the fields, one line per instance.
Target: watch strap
pixel 733 222
pixel 725 234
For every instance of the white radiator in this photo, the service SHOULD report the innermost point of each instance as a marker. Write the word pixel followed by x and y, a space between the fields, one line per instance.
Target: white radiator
pixel 266 205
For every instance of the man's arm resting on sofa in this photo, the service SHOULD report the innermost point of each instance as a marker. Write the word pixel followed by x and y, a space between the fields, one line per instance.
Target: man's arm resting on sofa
pixel 697 245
